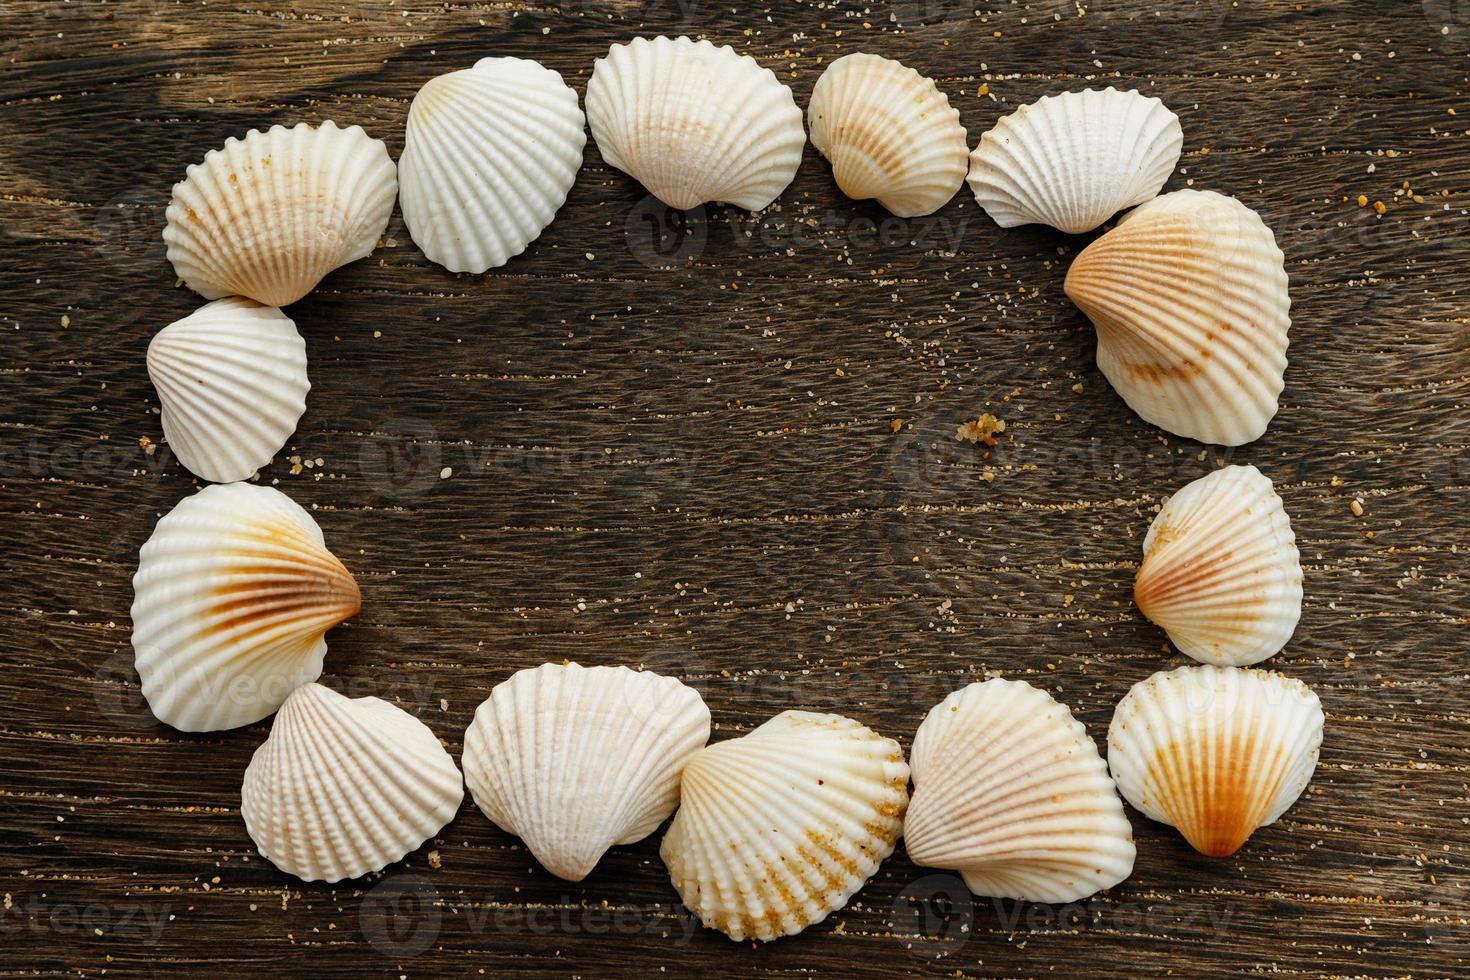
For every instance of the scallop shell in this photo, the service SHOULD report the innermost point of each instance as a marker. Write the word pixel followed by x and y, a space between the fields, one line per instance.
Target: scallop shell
pixel 1220 571
pixel 577 759
pixel 695 123
pixel 889 133
pixel 488 158
pixel 1010 791
pixel 233 594
pixel 344 786
pixel 780 827
pixel 1189 297
pixel 268 216
pixel 1074 160
pixel 231 380
pixel 1215 751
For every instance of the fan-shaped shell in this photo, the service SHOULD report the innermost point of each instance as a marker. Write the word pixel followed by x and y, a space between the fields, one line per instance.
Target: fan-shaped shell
pixel 1074 160
pixel 1189 297
pixel 344 786
pixel 695 123
pixel 889 133
pixel 269 215
pixel 778 828
pixel 1220 571
pixel 234 592
pixel 1215 751
pixel 1011 792
pixel 231 380
pixel 577 759
pixel 488 158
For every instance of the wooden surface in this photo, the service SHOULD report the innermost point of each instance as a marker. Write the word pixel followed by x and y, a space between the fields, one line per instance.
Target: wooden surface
pixel 732 459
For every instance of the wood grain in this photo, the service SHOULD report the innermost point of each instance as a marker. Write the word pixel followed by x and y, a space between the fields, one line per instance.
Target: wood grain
pixel 683 456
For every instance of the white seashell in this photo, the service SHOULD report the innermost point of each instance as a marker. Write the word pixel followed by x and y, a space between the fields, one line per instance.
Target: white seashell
pixel 268 216
pixel 1215 751
pixel 778 828
pixel 1011 792
pixel 234 591
pixel 344 786
pixel 489 156
pixel 695 123
pixel 575 759
pixel 1189 297
pixel 1220 571
pixel 889 133
pixel 231 380
pixel 1074 160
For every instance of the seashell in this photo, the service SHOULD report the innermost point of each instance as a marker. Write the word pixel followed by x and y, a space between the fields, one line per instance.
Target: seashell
pixel 233 594
pixel 268 216
pixel 1189 297
pixel 695 123
pixel 489 156
pixel 577 759
pixel 1215 751
pixel 231 380
pixel 889 133
pixel 1220 571
pixel 778 828
pixel 1011 792
pixel 1074 160
pixel 344 786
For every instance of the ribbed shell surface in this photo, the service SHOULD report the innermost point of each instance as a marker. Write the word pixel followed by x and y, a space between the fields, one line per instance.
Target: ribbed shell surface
pixel 1215 752
pixel 233 594
pixel 889 133
pixel 1221 572
pixel 695 123
pixel 1190 298
pixel 1010 791
pixel 778 828
pixel 489 156
pixel 269 215
pixel 1074 160
pixel 346 786
pixel 574 759
pixel 231 381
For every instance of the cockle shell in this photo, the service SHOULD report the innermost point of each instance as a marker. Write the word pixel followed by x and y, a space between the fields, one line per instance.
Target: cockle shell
pixel 233 594
pixel 1074 160
pixel 577 759
pixel 695 123
pixel 231 380
pixel 488 158
pixel 1011 792
pixel 1189 297
pixel 1215 751
pixel 1221 573
pixel 269 215
pixel 344 786
pixel 778 828
pixel 889 133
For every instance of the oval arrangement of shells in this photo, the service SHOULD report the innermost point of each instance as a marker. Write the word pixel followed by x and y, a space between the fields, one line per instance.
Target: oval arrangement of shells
pixel 768 831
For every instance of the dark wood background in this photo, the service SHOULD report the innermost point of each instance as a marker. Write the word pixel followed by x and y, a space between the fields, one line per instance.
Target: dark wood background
pixel 730 457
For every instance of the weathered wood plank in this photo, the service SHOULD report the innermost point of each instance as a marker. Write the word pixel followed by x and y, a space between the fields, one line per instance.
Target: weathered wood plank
pixel 673 448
